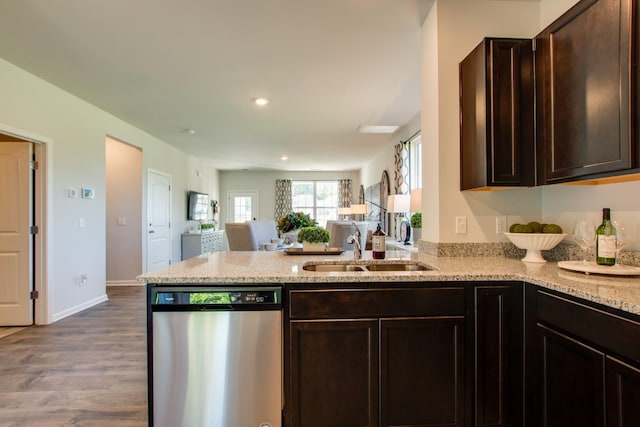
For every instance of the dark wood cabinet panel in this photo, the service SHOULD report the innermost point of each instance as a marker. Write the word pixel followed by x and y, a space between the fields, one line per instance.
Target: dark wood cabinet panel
pixel 376 356
pixel 572 382
pixel 583 93
pixel 582 362
pixel 333 373
pixel 498 355
pixel 384 302
pixel 623 394
pixel 421 372
pixel 496 115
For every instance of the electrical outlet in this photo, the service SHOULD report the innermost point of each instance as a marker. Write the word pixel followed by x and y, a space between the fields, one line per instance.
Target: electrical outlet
pixel 83 223
pixel 501 224
pixel 461 225
pixel 84 278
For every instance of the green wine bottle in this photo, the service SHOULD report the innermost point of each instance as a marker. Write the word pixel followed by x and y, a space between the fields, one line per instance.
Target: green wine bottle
pixel 606 240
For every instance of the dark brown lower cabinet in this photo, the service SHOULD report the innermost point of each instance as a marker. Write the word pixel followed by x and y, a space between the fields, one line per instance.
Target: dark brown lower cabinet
pixel 623 394
pixel 335 373
pixel 572 381
pixel 498 351
pixel 375 357
pixel 422 372
pixel 583 364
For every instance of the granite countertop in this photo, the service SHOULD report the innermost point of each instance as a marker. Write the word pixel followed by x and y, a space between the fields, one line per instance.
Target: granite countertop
pixel 621 292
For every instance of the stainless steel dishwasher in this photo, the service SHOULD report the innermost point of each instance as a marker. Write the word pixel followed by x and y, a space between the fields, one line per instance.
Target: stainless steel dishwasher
pixel 215 356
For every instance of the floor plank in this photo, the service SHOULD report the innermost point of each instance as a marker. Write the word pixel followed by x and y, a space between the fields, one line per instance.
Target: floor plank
pixel 89 369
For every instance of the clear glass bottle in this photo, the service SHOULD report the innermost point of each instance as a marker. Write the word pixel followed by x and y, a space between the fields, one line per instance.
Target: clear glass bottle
pixel 378 243
pixel 606 240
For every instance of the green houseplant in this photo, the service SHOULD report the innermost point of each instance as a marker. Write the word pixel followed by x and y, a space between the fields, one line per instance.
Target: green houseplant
pixel 416 225
pixel 314 238
pixel 289 225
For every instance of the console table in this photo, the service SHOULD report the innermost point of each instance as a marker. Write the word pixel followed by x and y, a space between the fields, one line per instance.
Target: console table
pixel 196 244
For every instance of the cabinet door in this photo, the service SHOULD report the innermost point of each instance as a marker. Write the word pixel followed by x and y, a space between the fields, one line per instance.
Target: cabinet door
pixel 623 394
pixel 496 115
pixel 422 372
pixel 334 367
pixel 571 382
pixel 583 92
pixel 498 355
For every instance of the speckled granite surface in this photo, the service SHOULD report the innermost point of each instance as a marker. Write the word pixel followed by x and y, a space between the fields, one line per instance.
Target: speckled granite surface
pixel 619 292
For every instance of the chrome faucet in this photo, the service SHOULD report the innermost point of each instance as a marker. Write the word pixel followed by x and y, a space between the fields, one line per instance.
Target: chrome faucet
pixel 355 240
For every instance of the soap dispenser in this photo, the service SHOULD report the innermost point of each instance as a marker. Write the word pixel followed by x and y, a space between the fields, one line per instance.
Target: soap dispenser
pixel 378 243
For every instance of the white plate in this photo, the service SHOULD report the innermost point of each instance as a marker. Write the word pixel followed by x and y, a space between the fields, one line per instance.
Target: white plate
pixel 592 267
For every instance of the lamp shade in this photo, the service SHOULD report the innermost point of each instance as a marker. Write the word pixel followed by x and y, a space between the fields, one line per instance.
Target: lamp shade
pixel 360 209
pixel 398 203
pixel 344 211
pixel 416 200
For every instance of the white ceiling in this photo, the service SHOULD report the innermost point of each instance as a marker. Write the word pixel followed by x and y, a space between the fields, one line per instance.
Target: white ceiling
pixel 327 66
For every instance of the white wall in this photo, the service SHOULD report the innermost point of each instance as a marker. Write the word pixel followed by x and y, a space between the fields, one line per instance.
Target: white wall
pixel 444 46
pixel 76 158
pixel 264 182
pixel 371 172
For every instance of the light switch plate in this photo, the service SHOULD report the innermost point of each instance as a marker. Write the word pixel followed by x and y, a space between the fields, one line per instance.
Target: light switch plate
pixel 461 225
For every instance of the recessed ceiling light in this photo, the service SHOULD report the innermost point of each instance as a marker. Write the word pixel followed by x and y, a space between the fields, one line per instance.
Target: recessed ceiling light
pixel 284 158
pixel 377 129
pixel 261 101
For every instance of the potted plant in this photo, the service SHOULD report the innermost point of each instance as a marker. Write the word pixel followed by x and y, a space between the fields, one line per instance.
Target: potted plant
pixel 416 225
pixel 289 225
pixel 314 238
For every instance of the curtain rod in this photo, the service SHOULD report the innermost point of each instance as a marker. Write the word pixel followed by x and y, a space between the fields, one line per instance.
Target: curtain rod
pixel 412 136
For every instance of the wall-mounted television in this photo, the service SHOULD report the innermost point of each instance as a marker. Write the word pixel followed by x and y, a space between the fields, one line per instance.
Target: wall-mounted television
pixel 197 206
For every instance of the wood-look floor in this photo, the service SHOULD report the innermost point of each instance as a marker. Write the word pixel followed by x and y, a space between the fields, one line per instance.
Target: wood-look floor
pixel 89 369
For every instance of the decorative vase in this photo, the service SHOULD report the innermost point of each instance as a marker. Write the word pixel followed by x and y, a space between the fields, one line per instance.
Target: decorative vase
pixel 417 234
pixel 313 247
pixel 291 237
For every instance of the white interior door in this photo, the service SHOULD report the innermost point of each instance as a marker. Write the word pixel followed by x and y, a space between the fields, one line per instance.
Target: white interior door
pixel 16 306
pixel 159 220
pixel 243 206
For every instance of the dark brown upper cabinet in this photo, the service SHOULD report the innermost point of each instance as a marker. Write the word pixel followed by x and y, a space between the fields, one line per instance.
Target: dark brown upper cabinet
pixel 584 66
pixel 497 115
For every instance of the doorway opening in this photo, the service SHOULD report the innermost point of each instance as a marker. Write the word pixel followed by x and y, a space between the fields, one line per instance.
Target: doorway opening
pixel 123 166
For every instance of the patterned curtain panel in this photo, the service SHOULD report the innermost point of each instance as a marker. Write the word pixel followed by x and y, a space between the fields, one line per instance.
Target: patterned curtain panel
pixel 283 198
pixel 344 193
pixel 401 174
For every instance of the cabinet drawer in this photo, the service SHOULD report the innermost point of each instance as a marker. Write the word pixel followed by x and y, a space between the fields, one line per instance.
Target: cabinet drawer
pixel 606 330
pixel 336 303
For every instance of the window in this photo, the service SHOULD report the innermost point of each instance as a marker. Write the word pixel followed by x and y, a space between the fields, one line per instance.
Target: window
pixel 415 162
pixel 242 209
pixel 316 198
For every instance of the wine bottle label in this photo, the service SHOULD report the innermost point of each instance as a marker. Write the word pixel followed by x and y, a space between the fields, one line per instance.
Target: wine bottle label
pixel 378 243
pixel 606 246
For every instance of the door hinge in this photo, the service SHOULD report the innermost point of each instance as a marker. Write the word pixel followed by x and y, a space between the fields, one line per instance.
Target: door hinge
pixel 34 295
pixel 33 229
pixel 34 164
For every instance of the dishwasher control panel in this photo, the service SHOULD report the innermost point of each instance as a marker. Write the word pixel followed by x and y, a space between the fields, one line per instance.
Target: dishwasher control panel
pixel 213 297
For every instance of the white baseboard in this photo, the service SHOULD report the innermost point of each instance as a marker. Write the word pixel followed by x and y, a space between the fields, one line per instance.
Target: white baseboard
pixel 123 283
pixel 80 307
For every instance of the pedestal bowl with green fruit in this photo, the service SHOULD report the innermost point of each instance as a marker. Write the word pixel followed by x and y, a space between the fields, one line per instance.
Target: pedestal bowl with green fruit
pixel 535 237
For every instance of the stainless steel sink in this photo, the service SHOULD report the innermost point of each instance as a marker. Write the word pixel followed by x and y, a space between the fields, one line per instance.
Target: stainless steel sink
pixel 397 266
pixel 331 268
pixel 350 266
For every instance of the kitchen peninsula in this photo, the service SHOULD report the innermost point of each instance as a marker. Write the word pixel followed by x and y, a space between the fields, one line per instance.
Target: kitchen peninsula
pixel 469 341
